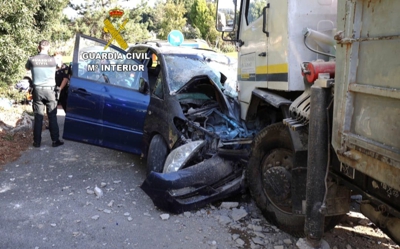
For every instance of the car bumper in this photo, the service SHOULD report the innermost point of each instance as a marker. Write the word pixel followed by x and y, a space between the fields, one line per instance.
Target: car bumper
pixel 193 187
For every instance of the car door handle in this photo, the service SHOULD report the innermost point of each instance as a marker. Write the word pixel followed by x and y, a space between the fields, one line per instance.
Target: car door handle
pixel 81 91
pixel 263 54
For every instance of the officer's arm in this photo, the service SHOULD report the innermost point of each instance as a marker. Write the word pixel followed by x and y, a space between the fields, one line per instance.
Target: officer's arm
pixel 63 83
pixel 28 65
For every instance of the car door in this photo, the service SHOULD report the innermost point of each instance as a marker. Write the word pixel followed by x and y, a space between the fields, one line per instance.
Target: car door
pixel 105 107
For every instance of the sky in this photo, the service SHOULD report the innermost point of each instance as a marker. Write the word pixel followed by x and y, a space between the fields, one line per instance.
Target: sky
pixel 123 4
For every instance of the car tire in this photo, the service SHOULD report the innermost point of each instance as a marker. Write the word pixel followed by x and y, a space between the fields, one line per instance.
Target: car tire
pixel 275 141
pixel 158 151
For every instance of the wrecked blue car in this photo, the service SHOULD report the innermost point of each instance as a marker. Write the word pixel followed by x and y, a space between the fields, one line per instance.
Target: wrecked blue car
pixel 175 112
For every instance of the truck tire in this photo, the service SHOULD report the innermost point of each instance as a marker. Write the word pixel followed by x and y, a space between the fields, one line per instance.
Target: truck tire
pixel 157 154
pixel 272 157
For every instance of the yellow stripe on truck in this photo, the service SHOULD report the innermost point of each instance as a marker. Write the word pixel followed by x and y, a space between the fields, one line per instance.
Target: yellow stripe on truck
pixel 270 69
pixel 275 68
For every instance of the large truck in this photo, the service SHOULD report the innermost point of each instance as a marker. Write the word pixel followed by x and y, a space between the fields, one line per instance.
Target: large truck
pixel 320 81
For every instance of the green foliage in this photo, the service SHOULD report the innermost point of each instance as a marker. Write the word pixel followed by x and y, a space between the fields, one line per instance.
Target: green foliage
pixel 144 14
pixel 94 13
pixel 169 16
pixel 199 16
pixel 9 92
pixel 202 16
pixel 190 32
pixel 255 9
pixel 227 47
pixel 22 24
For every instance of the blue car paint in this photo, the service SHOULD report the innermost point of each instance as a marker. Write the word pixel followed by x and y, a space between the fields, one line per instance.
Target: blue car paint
pixel 103 114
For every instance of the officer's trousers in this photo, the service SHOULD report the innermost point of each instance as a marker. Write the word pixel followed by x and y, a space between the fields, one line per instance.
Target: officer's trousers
pixel 45 97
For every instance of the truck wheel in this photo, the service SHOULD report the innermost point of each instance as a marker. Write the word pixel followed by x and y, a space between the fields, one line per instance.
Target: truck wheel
pixel 269 179
pixel 157 154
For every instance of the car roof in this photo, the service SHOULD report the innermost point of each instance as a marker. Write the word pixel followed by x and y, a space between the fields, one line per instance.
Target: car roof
pixel 166 48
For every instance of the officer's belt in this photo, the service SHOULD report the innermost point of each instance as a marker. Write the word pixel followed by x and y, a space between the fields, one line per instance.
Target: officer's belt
pixel 45 87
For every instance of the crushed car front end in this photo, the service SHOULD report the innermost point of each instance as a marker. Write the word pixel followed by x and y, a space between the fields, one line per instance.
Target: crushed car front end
pixel 208 164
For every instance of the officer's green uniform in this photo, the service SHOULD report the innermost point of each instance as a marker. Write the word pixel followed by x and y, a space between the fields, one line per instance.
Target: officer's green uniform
pixel 43 68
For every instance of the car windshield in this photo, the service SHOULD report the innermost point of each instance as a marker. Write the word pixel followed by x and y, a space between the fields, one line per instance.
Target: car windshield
pixel 183 67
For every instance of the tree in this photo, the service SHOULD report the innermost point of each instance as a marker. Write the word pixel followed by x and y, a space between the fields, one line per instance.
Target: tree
pixel 144 14
pixel 93 14
pixel 202 16
pixel 170 16
pixel 213 34
pixel 199 16
pixel 188 6
pixel 22 24
pixel 255 9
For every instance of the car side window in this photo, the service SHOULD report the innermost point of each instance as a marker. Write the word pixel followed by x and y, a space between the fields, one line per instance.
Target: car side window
pixel 255 10
pixel 158 88
pixel 109 66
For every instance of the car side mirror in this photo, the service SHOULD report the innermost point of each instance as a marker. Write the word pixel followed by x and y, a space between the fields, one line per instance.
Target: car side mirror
pixel 143 85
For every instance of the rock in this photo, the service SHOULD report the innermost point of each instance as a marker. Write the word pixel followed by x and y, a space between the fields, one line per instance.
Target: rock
pixel 147 214
pixel 111 203
pixel 126 214
pixel 260 235
pixel 6 103
pixel 118 181
pixel 95 217
pixel 107 211
pixel 254 246
pixel 187 214
pixel 98 191
pixel 53 224
pixel 103 184
pixel 287 241
pixel 279 247
pixel 254 228
pixel 240 242
pixel 302 244
pixel 235 236
pixel 130 219
pixel 348 246
pixel 258 240
pixel 90 192
pixel 238 214
pixel 223 220
pixel 164 216
pixel 229 205
pixel 213 244
pixel 335 247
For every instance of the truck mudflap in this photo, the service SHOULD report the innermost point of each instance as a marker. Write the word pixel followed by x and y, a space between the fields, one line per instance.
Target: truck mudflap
pixel 193 187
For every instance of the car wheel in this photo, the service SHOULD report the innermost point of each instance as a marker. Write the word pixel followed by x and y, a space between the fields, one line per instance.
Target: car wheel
pixel 157 154
pixel 269 180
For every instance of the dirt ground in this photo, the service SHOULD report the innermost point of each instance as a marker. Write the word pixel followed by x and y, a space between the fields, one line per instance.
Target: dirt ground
pixel 13 144
pixel 355 230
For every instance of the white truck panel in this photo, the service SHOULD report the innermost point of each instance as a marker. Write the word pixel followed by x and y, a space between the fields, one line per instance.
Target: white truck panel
pixel 284 50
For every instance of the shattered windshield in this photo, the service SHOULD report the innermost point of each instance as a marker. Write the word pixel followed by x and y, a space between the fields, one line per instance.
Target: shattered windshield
pixel 182 68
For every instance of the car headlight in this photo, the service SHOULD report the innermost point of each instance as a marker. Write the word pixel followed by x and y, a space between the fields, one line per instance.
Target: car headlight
pixel 181 155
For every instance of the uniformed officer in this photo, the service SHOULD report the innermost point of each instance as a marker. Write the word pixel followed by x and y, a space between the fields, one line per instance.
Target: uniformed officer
pixel 43 68
pixel 62 80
